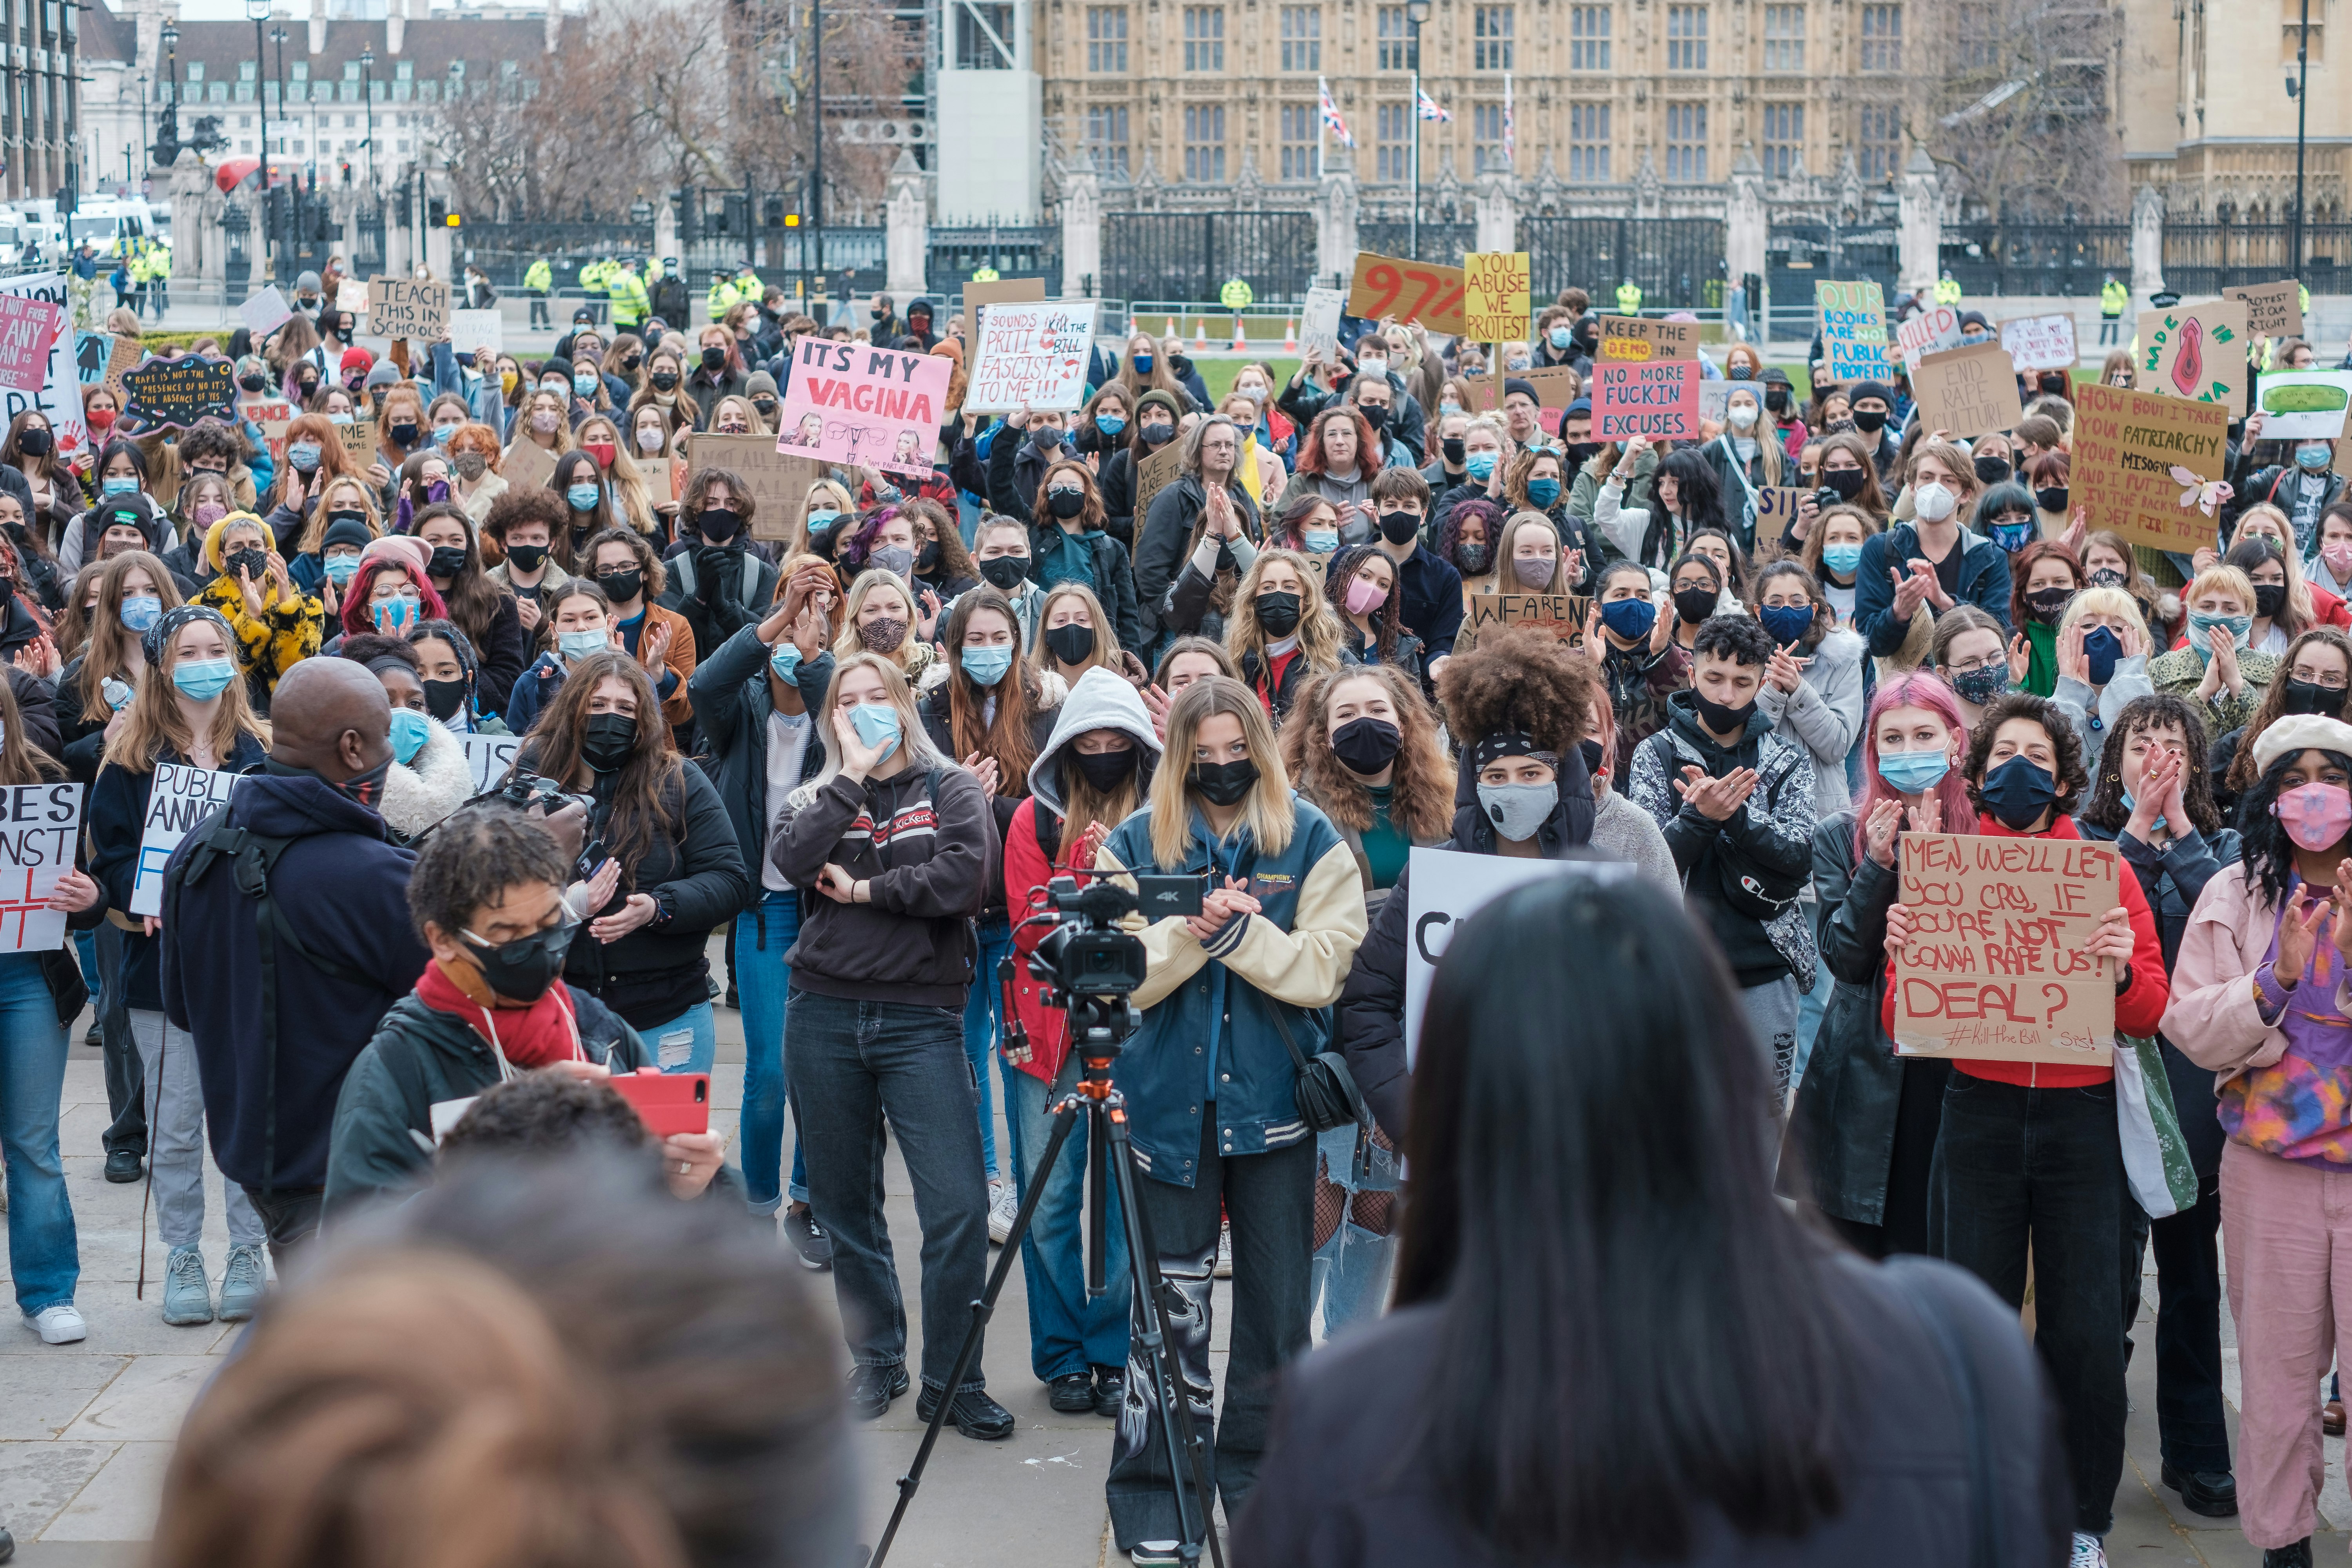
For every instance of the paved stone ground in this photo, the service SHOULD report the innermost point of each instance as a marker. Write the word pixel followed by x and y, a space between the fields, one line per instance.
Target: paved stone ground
pixel 86 1430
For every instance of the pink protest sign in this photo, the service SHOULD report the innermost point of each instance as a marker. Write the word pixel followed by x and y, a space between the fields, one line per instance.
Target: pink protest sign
pixel 1658 398
pixel 29 327
pixel 853 403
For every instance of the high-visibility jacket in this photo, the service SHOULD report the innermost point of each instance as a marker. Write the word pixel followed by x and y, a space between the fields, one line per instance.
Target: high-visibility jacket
pixel 592 277
pixel 2113 299
pixel 539 278
pixel 722 297
pixel 1948 290
pixel 629 303
pixel 1629 297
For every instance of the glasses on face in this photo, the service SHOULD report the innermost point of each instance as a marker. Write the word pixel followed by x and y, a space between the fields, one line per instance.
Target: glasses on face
pixel 2326 679
pixel 1970 667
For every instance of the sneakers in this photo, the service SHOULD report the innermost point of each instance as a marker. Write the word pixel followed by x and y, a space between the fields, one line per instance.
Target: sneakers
pixel 187 1296
pixel 975 1415
pixel 1224 1269
pixel 1072 1393
pixel 2088 1553
pixel 241 1284
pixel 123 1165
pixel 1003 1202
pixel 1153 1554
pixel 58 1325
pixel 872 1388
pixel 1110 1389
pixel 809 1240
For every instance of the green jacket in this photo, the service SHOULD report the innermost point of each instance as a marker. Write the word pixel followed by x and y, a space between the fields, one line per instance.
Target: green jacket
pixel 539 277
pixel 629 303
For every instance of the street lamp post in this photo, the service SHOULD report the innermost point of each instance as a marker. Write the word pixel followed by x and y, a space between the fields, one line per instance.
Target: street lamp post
pixel 1416 12
pixel 2300 88
pixel 816 187
pixel 258 10
pixel 144 151
pixel 367 92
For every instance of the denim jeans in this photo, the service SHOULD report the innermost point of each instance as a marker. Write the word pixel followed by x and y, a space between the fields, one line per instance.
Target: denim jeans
pixel 290 1216
pixel 126 1081
pixel 43 1257
pixel 851 1064
pixel 1067 1332
pixel 695 1031
pixel 2042 1168
pixel 1270 1199
pixel 1810 1008
pixel 84 943
pixel 981 1009
pixel 175 1113
pixel 1771 1010
pixel 763 935
pixel 1352 1269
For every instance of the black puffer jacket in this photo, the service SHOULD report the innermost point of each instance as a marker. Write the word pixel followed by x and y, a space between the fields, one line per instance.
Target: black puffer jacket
pixel 1010 792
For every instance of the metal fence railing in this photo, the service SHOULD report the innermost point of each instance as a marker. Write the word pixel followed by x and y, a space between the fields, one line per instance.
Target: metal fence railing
pixel 1192 254
pixel 2069 258
pixel 2205 258
pixel 1675 261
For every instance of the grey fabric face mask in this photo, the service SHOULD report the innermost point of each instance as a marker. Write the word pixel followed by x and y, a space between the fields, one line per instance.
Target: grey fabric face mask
pixel 1518 810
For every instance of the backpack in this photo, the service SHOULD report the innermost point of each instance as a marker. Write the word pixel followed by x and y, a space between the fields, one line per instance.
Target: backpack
pixel 682 565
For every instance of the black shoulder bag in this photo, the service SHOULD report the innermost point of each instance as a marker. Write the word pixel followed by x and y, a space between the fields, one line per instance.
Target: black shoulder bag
pixel 1325 1093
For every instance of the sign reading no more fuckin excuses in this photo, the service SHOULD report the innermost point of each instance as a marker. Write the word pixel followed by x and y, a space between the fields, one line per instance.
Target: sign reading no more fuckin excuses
pixel 853 403
pixel 1656 398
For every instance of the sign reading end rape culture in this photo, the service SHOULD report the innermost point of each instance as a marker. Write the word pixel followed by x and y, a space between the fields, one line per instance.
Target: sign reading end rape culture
pixel 853 403
pixel 1032 354
pixel 1658 399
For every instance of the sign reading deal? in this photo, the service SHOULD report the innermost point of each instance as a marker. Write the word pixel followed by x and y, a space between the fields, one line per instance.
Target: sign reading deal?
pixel 2144 465
pixel 1658 399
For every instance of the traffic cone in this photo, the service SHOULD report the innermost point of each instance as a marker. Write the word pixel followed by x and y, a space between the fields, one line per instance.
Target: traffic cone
pixel 1200 333
pixel 1290 335
pixel 1241 343
pixel 1171 329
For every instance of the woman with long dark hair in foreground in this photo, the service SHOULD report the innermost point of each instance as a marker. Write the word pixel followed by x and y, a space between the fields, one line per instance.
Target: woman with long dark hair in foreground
pixel 1610 1342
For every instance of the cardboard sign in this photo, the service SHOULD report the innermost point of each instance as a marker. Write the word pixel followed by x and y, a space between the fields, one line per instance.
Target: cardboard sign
pixel 352 294
pixel 2197 351
pixel 528 463
pixel 1154 474
pixel 120 362
pixel 1032 354
pixel 60 394
pixel 1995 968
pixel 1003 291
pixel 853 403
pixel 265 313
pixel 1970 391
pixel 2273 310
pixel 262 410
pixel 1447 887
pixel 1561 615
pixel 1495 296
pixel 92 353
pixel 407 307
pixel 1319 322
pixel 173 394
pixel 1557 386
pixel 471 331
pixel 2040 342
pixel 1853 331
pixel 777 479
pixel 1639 338
pixel 1382 286
pixel 182 798
pixel 491 757
pixel 39 825
pixel 2142 465
pixel 1776 509
pixel 360 442
pixel 1936 328
pixel 2302 405
pixel 29 329
pixel 1659 400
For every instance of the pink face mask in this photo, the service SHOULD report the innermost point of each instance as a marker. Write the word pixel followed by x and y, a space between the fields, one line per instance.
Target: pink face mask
pixel 2315 815
pixel 1364 596
pixel 2338 553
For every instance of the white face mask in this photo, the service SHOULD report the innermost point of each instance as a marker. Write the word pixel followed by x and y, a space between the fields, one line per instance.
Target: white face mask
pixel 650 441
pixel 1742 417
pixel 1932 502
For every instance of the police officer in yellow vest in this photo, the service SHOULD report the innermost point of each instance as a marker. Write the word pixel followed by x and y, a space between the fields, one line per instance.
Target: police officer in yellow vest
pixel 592 277
pixel 159 278
pixel 721 296
pixel 1629 297
pixel 537 281
pixel 2113 298
pixel 1948 290
pixel 630 304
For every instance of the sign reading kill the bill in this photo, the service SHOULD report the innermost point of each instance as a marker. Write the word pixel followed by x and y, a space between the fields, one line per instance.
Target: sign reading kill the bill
pixel 853 403
pixel 2144 465
pixel 176 393
pixel 1383 286
pixel 2273 310
pixel 1995 968
pixel 39 825
pixel 777 478
pixel 2197 351
pixel 407 307
pixel 1636 339
pixel 1853 331
pixel 1658 399
pixel 1968 391
pixel 1031 355
pixel 1495 298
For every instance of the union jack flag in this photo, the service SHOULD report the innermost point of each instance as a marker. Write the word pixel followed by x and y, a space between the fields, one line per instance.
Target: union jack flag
pixel 1430 108
pixel 1331 112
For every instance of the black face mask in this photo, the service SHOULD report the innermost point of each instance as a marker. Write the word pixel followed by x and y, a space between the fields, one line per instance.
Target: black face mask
pixel 1222 784
pixel 2054 384
pixel 1104 771
pixel 1072 644
pixel 254 383
pixel 1847 482
pixel 307 389
pixel 1277 613
pixel 528 557
pixel 1366 745
pixel 2049 603
pixel 1396 527
pixel 926 557
pixel 1452 448
pixel 712 358
pixel 1694 605
pixel 717 524
pixel 766 406
pixel 364 788
pixel 2270 598
pixel 33 441
pixel 2050 498
pixel 1470 560
pixel 248 562
pixel 1006 572
pixel 608 740
pixel 1066 503
pixel 663 380
pixel 1869 421
pixel 1374 415
pixel 1776 400
pixel 1991 470
pixel 2310 697
pixel 444 698
pixel 2017 793
pixel 631 363
pixel 1583 452
pixel 522 970
pixel 448 560
pixel 1155 435
pixel 1719 719
pixel 1591 752
pixel 622 587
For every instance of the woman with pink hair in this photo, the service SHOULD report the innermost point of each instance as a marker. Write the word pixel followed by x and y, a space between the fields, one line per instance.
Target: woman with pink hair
pixel 1862 1132
pixel 389 594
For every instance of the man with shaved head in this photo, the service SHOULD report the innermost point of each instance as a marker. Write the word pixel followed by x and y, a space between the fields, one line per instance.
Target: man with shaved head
pixel 285 936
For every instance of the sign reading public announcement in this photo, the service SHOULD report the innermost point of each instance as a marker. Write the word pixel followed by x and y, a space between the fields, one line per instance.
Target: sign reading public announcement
pixel 182 798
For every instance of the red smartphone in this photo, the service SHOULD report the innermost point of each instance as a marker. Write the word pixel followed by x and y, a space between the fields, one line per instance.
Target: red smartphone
pixel 669 1103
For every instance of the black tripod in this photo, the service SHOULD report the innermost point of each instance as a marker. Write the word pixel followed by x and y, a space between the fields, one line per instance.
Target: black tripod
pixel 1098 1026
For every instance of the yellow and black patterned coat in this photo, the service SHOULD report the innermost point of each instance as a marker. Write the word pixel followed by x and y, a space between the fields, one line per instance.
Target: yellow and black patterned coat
pixel 292 624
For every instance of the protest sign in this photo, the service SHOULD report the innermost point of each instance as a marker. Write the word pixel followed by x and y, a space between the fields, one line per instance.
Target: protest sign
pixel 1003 291
pixel 1382 286
pixel 1775 508
pixel 1030 355
pixel 473 330
pixel 261 410
pixel 125 358
pixel 1715 398
pixel 528 465
pixel 173 394
pixel 2273 310
pixel 360 441
pixel 1853 331
pixel 407 308
pixel 2146 465
pixel 853 403
pixel 1449 886
pixel 2040 342
pixel 1638 338
pixel 2302 405
pixel 39 825
pixel 1561 615
pixel 1995 968
pixel 1659 400
pixel 182 798
pixel 490 757
pixel 29 329
pixel 352 294
pixel 1319 322
pixel 1938 327
pixel 1495 296
pixel 1556 386
pixel 59 393
pixel 2194 351
pixel 1968 391
pixel 265 313
pixel 1155 473
pixel 93 352
pixel 778 479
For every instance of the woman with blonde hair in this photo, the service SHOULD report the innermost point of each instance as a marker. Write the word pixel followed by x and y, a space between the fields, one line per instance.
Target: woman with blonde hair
pixel 879 618
pixel 400 433
pixel 734 415
pixel 345 507
pixel 1074 636
pixel 2214 665
pixel 277 626
pixel 542 419
pixel 135 591
pixel 633 501
pixel 2101 660
pixel 1282 630
pixel 829 505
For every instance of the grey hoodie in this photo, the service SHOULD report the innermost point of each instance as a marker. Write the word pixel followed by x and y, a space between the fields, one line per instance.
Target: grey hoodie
pixel 1101 700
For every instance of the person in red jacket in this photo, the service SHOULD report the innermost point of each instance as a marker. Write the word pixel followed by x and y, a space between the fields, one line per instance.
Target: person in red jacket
pixel 1094 771
pixel 2028 1156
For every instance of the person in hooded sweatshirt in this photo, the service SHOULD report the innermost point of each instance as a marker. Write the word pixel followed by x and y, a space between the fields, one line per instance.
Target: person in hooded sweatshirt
pixel 430 776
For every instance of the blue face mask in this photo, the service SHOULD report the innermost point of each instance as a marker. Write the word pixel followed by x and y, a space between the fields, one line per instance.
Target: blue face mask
pixel 1559 336
pixel 1841 559
pixel 341 419
pixel 395 615
pixel 141 611
pixel 1481 466
pixel 119 485
pixel 1143 365
pixel 409 729
pixel 1786 623
pixel 1630 618
pixel 2102 647
pixel 2013 537
pixel 582 497
pixel 341 568
pixel 580 645
pixel 2198 626
pixel 1912 772
pixel 818 521
pixel 1447 405
pixel 785 662
pixel 876 724
pixel 441 434
pixel 987 665
pixel 585 383
pixel 2313 456
pixel 1543 492
pixel 203 679
pixel 303 454
pixel 1319 540
pixel 1109 423
pixel 2130 804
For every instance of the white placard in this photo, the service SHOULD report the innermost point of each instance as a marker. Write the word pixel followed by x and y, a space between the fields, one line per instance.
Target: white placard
pixel 39 825
pixel 1930 331
pixel 1715 398
pixel 2040 342
pixel 471 329
pixel 2302 405
pixel 1447 888
pixel 262 313
pixel 1319 323
pixel 182 798
pixel 60 397
pixel 1030 355
pixel 491 756
pixel 351 294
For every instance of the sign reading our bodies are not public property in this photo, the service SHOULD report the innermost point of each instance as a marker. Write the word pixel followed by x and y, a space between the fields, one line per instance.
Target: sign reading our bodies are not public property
pixel 39 825
pixel 1853 331
pixel 853 403
pixel 1032 354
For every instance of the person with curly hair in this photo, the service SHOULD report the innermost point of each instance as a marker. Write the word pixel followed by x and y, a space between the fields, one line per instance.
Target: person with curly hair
pixel 1468 535
pixel 1360 586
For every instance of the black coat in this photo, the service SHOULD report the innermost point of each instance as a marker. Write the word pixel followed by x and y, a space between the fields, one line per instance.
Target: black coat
pixel 1164 538
pixel 1006 798
pixel 714 601
pixel 731 704
pixel 501 654
pixel 1114 575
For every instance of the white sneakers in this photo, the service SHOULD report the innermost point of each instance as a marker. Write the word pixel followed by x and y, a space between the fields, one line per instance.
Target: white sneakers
pixel 2089 1552
pixel 1224 1264
pixel 1003 1202
pixel 58 1325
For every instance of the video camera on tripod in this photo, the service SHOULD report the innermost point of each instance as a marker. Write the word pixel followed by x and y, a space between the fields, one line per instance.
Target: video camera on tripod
pixel 1086 954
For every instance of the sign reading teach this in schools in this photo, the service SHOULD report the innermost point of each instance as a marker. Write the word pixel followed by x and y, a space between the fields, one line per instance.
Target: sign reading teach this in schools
pixel 1995 968
pixel 1448 887
pixel 2143 464
pixel 39 825
pixel 176 393
pixel 408 308
pixel 1031 355
pixel 1853 331
pixel 182 798
pixel 1658 399
pixel 1494 296
pixel 853 403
